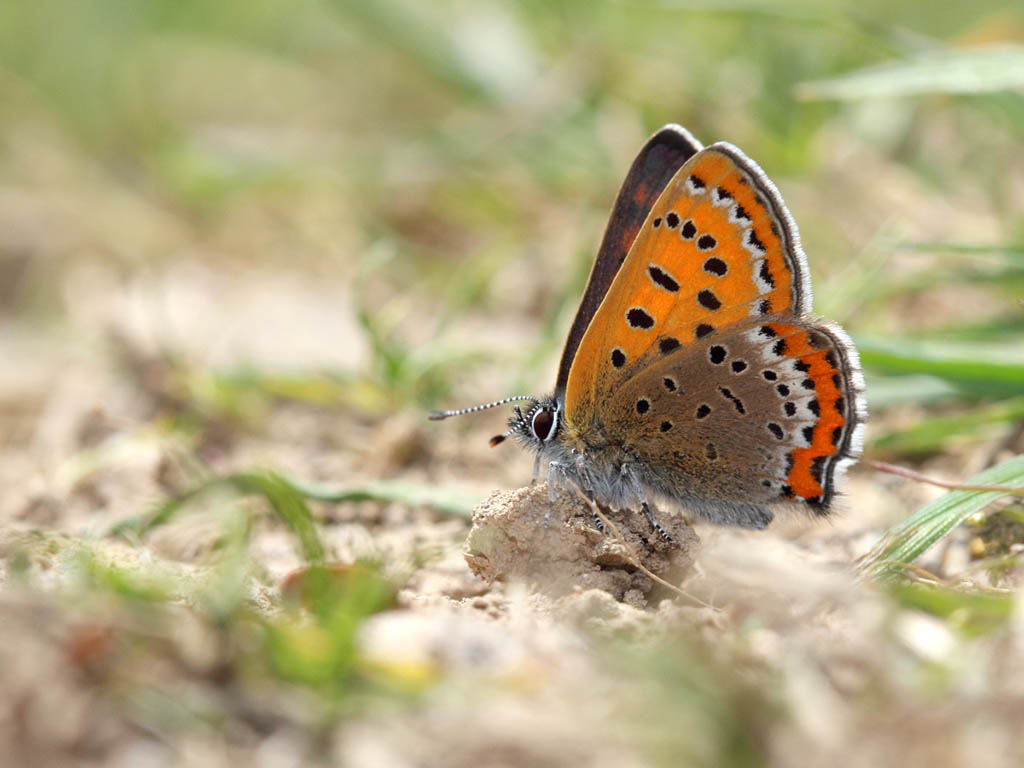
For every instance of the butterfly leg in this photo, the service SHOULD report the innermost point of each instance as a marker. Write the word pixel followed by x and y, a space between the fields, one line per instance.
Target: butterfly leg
pixel 557 478
pixel 655 524
pixel 586 489
pixel 554 469
pixel 642 498
pixel 598 522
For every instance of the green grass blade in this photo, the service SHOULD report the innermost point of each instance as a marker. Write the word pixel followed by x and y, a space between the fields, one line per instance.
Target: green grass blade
pixel 291 508
pixel 907 541
pixel 1002 330
pixel 1013 251
pixel 982 69
pixel 891 391
pixel 934 434
pixel 285 500
pixel 963 365
pixel 973 612
pixel 135 527
pixel 443 500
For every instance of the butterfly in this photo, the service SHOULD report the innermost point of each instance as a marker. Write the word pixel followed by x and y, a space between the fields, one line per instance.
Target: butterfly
pixel 694 376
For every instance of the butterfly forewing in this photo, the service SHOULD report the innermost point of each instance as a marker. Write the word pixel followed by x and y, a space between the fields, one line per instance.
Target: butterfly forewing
pixel 717 248
pixel 663 154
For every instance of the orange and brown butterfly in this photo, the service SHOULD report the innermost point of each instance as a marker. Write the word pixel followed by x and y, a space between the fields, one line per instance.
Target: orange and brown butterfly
pixel 694 376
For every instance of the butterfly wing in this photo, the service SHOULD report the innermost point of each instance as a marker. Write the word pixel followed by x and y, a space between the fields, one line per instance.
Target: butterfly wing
pixel 758 413
pixel 717 247
pixel 662 155
pixel 717 259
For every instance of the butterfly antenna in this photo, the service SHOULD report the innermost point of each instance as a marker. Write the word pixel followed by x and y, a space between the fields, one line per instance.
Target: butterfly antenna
pixel 438 415
pixel 499 439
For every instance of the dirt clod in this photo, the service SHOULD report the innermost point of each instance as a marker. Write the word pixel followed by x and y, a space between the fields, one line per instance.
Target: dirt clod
pixel 509 542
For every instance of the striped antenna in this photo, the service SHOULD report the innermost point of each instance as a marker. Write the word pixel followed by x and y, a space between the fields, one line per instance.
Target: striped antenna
pixel 438 415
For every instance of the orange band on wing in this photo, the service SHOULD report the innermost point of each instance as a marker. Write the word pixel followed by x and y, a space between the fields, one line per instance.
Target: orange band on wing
pixel 805 474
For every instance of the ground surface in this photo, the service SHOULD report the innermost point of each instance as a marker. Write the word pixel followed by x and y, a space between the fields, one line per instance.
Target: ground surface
pixel 507 644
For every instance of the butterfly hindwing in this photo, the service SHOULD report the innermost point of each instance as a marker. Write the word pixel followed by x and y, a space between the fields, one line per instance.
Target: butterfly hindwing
pixel 762 412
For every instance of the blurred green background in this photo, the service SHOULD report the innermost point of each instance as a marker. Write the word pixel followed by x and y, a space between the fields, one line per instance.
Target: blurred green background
pixel 442 172
pixel 245 246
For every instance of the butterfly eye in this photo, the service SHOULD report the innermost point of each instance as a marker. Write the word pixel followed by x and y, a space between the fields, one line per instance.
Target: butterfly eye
pixel 543 421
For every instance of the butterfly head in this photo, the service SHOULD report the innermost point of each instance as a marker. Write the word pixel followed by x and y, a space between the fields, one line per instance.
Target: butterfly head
pixel 536 427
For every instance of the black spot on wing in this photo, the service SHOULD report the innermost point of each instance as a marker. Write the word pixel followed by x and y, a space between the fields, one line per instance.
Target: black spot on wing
pixel 708 300
pixel 663 279
pixel 706 242
pixel 637 317
pixel 728 395
pixel 755 242
pixel 715 266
